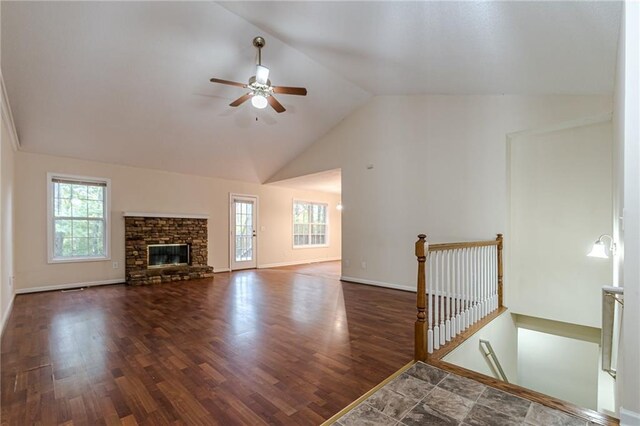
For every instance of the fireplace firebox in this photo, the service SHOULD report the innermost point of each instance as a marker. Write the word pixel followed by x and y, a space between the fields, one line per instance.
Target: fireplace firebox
pixel 166 255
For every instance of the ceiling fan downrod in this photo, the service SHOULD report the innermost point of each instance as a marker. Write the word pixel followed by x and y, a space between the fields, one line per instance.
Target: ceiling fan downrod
pixel 259 43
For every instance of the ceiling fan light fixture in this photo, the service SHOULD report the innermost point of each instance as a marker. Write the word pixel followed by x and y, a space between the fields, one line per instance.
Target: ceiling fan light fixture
pixel 259 101
pixel 262 74
pixel 260 90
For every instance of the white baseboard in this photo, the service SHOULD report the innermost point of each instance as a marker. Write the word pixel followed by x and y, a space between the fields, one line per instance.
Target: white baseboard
pixel 378 283
pixel 216 270
pixel 68 286
pixel 297 262
pixel 5 317
pixel 629 418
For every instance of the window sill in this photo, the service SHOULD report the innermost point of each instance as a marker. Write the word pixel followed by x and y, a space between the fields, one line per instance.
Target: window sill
pixel 311 246
pixel 78 259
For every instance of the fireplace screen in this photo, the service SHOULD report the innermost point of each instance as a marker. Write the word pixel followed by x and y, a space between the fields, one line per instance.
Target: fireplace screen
pixel 163 255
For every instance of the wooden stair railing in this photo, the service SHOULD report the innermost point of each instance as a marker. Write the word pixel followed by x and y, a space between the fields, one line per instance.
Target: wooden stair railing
pixel 465 285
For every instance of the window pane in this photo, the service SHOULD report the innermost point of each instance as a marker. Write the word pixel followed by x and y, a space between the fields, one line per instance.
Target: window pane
pixel 95 229
pixel 80 246
pixel 64 190
pixel 80 228
pixel 62 207
pixel 96 247
pixel 95 208
pixel 79 208
pixel 79 192
pixel 95 193
pixel 62 238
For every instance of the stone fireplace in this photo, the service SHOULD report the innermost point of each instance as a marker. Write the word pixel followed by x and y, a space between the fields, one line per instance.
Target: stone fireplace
pixel 163 248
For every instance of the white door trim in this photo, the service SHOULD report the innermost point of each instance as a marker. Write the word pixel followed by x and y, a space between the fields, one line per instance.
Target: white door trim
pixel 234 196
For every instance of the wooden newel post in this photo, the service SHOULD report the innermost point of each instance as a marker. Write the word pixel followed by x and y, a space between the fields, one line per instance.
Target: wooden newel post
pixel 421 303
pixel 500 269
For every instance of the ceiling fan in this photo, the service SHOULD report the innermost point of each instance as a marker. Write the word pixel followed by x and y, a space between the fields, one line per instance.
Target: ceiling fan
pixel 260 89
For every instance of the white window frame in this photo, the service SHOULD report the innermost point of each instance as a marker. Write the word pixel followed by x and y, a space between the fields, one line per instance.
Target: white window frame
pixel 293 225
pixel 107 219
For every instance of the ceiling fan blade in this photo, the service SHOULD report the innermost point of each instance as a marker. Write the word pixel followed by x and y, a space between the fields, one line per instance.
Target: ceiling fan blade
pixel 275 104
pixel 240 100
pixel 300 91
pixel 228 82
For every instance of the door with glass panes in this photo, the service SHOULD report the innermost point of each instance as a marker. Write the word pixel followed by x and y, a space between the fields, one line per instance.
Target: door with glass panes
pixel 244 214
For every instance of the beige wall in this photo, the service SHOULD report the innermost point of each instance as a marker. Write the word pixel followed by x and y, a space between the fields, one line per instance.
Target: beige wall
pixel 143 190
pixel 558 366
pixel 560 202
pixel 503 335
pixel 438 167
pixel 7 156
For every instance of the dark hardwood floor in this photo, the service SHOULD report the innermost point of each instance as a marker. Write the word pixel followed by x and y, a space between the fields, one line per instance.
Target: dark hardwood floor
pixel 271 346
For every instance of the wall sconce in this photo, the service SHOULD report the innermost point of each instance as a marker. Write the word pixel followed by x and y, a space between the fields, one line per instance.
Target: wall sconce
pixel 339 206
pixel 599 250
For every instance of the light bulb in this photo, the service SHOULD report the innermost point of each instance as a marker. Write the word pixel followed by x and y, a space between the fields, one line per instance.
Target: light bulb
pixel 339 206
pixel 259 101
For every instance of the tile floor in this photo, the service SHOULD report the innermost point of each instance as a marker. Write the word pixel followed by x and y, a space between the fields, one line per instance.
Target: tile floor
pixel 426 395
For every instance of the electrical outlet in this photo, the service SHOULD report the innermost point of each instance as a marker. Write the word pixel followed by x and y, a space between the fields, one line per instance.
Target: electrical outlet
pixel 115 265
pixel 363 264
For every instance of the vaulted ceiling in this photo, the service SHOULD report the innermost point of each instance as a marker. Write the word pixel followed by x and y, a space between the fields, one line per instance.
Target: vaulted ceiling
pixel 128 82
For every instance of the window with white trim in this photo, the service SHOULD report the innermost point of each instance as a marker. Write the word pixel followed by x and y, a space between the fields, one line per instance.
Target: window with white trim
pixel 310 224
pixel 78 218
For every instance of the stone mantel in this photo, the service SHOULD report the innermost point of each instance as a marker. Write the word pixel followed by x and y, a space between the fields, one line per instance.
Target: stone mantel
pixel 166 215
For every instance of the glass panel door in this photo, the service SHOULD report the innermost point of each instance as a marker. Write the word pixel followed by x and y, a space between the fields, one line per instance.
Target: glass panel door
pixel 243 230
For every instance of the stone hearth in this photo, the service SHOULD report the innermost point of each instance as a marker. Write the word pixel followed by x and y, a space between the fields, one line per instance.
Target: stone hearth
pixel 141 231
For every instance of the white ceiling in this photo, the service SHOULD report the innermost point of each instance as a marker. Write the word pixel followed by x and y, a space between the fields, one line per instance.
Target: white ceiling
pixel 327 181
pixel 484 47
pixel 127 82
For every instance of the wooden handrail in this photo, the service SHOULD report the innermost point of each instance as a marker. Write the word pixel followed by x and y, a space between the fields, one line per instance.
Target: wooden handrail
pixel 422 249
pixel 421 304
pixel 454 246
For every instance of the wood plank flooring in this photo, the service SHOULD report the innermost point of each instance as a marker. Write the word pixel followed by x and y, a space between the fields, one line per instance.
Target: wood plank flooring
pixel 271 346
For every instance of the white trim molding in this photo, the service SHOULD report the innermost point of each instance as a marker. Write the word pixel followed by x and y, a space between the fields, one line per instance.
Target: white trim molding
pixel 218 270
pixel 5 317
pixel 7 116
pixel 70 285
pixel 378 283
pixel 297 262
pixel 629 418
pixel 168 215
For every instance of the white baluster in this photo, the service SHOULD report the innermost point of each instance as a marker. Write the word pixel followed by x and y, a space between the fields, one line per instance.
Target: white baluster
pixel 430 283
pixel 459 326
pixel 485 301
pixel 465 269
pixel 485 275
pixel 447 301
pixel 442 298
pixel 436 281
pixel 476 281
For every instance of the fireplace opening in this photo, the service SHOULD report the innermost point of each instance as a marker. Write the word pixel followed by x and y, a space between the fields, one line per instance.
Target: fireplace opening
pixel 164 255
